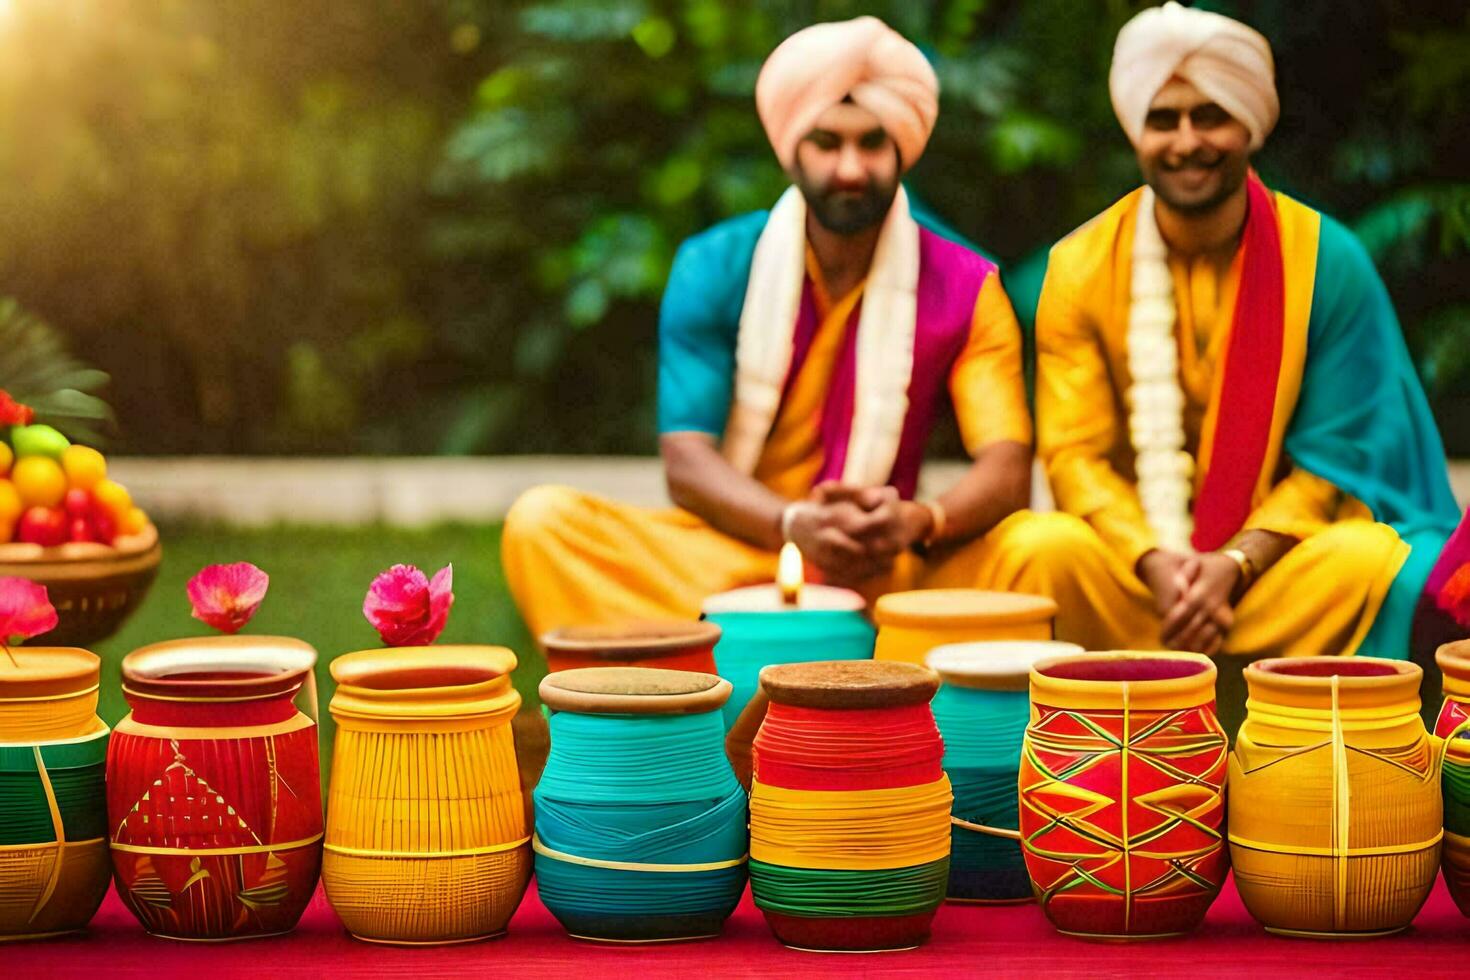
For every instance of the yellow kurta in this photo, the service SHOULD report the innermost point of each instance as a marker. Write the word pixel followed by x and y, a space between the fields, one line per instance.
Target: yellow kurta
pixel 576 557
pixel 1345 563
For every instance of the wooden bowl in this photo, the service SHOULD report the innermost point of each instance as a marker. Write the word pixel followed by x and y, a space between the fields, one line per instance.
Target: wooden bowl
pixel 94 587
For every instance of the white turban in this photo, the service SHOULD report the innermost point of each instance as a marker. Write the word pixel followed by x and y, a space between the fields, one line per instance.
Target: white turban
pixel 820 66
pixel 1226 60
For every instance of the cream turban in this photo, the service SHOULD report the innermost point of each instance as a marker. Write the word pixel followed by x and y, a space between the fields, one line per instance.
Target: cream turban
pixel 816 68
pixel 1223 58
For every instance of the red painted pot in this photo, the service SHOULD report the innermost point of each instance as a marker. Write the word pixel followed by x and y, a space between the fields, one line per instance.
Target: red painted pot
pixel 668 645
pixel 214 789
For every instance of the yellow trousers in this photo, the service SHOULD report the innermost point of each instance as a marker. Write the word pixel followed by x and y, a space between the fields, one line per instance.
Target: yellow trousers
pixel 576 558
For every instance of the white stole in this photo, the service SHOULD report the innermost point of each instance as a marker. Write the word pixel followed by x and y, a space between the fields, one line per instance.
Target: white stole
pixel 885 340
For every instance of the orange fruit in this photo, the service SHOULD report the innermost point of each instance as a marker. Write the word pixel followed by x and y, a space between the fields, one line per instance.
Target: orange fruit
pixel 133 522
pixel 39 480
pixel 7 456
pixel 113 497
pixel 85 467
pixel 10 505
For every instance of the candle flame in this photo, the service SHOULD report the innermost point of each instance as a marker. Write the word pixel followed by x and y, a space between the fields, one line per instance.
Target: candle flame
pixel 789 573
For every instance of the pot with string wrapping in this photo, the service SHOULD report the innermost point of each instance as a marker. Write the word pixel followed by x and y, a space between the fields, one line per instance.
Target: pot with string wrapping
pixel 669 645
pixel 1122 793
pixel 849 806
pixel 982 709
pixel 1335 809
pixel 213 787
pixel 1453 725
pixel 640 824
pixel 910 624
pixel 54 865
pixel 427 840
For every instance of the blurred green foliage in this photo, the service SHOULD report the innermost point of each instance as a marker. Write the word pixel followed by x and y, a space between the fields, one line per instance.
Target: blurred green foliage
pixel 363 225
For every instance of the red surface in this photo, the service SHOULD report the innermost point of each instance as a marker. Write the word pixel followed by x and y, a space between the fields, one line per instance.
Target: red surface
pixel 967 940
pixel 848 748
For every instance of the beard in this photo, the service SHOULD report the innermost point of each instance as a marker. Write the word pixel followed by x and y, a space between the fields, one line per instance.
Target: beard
pixel 1229 171
pixel 847 210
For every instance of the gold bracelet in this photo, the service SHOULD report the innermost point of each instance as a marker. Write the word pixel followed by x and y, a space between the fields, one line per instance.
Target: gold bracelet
pixel 1247 567
pixel 936 522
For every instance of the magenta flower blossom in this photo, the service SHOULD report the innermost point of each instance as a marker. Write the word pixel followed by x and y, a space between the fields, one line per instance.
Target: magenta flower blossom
pixel 25 610
pixel 227 596
pixel 406 608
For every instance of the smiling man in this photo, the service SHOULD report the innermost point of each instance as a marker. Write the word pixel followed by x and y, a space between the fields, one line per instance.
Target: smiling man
pixel 1225 406
pixel 805 354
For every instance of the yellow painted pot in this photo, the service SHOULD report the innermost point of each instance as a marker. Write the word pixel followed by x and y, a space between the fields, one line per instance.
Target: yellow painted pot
pixel 427 834
pixel 1335 816
pixel 54 865
pixel 910 624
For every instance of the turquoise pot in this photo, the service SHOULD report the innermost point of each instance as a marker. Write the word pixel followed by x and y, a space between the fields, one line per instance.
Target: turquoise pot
pixel 752 640
pixel 982 710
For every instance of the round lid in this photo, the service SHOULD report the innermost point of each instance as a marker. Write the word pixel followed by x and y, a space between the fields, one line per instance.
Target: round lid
pixel 634 691
pixel 218 666
pixel 47 672
pixel 767 598
pixel 962 607
pixel 999 665
pixel 632 641
pixel 849 684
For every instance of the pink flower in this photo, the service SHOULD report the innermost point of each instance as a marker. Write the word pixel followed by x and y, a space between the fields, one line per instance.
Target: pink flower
pixel 25 610
pixel 406 608
pixel 227 596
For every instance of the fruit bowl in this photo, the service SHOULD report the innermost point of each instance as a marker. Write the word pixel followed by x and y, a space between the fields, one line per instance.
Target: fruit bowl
pixel 94 587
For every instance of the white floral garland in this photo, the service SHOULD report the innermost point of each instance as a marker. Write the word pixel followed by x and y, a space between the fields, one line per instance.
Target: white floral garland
pixel 1156 400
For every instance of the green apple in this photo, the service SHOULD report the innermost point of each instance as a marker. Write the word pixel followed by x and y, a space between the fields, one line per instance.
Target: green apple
pixel 38 440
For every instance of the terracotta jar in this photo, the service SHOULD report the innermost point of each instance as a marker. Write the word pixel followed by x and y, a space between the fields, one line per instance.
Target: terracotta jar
pixel 54 866
pixel 849 806
pixel 428 836
pixel 640 825
pixel 910 624
pixel 213 787
pixel 671 645
pixel 1335 812
pixel 1453 726
pixel 982 709
pixel 1122 790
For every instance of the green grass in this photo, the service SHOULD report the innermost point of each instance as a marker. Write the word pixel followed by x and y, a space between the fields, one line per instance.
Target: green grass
pixel 319 576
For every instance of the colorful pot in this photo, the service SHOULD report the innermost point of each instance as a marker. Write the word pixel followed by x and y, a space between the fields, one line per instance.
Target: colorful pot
pixel 673 646
pixel 1335 811
pixel 910 624
pixel 849 808
pixel 427 836
pixel 213 787
pixel 54 868
pixel 640 824
pixel 826 623
pixel 982 709
pixel 1122 789
pixel 1454 727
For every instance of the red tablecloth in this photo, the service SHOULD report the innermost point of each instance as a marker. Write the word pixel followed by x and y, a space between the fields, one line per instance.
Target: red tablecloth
pixel 1000 941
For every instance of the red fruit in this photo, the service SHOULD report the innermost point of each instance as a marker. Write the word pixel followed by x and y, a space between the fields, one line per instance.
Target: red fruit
pixel 104 525
pixel 78 503
pixel 45 526
pixel 81 529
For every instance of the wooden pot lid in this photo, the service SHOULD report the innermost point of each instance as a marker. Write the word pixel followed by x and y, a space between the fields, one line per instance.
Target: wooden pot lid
pixel 962 607
pixel 634 691
pixel 998 665
pixel 849 684
pixel 632 640
pixel 47 672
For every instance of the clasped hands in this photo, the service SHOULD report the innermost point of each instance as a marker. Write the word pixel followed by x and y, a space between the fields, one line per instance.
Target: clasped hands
pixel 853 534
pixel 1193 596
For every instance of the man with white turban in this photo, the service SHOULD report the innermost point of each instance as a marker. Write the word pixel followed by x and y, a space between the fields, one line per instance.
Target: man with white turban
pixel 1243 457
pixel 805 354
